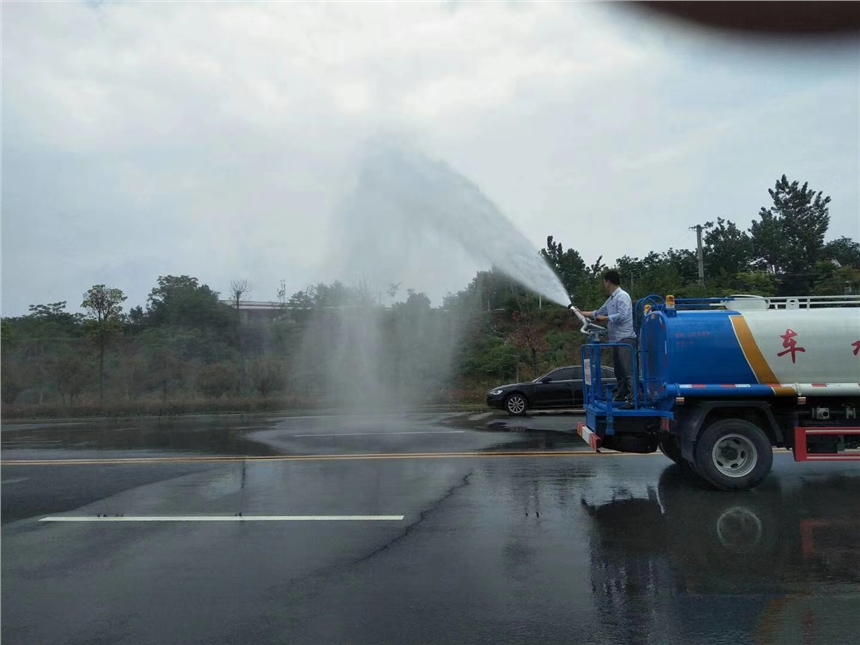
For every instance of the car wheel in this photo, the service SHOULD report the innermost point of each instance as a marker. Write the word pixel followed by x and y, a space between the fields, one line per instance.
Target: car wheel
pixel 516 404
pixel 733 454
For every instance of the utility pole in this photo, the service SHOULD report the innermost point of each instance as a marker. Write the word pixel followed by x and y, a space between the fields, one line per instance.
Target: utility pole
pixel 699 254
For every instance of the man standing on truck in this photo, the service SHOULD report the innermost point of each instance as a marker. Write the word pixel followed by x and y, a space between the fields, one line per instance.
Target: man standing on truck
pixel 617 311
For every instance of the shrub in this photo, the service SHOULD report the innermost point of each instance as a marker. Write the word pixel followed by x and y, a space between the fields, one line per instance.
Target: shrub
pixel 218 379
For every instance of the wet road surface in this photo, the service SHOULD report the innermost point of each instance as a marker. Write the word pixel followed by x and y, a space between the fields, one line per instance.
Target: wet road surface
pixel 447 531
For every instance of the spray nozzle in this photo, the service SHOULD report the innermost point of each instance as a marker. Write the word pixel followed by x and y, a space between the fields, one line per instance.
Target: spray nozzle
pixel 588 327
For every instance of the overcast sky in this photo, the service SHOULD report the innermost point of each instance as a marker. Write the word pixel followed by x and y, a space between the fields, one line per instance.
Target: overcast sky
pixel 147 139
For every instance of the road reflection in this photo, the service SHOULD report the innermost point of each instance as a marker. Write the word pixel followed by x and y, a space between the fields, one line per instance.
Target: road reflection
pixel 774 566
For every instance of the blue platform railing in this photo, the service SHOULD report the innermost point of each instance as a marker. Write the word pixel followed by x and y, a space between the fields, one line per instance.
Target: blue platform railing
pixel 597 395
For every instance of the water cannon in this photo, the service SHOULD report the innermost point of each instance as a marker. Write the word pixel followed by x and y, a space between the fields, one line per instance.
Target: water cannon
pixel 594 332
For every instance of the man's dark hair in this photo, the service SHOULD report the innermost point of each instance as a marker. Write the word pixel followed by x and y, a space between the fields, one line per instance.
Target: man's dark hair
pixel 613 277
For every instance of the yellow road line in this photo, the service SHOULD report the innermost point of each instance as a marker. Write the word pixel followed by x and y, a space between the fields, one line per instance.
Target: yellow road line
pixel 355 457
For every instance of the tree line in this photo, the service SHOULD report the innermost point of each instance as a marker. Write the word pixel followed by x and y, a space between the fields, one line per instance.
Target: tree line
pixel 186 349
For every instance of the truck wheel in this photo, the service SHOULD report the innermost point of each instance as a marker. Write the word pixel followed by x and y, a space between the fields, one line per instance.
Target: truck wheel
pixel 733 454
pixel 516 404
pixel 671 447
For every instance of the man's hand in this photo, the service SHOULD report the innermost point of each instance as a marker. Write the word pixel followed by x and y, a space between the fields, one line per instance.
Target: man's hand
pixel 590 314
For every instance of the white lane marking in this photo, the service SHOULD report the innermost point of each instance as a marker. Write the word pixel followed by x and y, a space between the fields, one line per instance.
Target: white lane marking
pixel 365 434
pixel 227 518
pixel 13 481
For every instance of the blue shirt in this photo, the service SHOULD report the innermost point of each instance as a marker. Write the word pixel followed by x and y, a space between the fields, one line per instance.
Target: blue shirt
pixel 619 308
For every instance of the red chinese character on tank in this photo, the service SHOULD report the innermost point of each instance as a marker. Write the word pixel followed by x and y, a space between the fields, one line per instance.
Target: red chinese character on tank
pixel 856 347
pixel 790 344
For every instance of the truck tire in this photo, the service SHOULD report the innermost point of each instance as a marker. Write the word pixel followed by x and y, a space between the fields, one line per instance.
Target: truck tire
pixel 670 446
pixel 733 454
pixel 516 404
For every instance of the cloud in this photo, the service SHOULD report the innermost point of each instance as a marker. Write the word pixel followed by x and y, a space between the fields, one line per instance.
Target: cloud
pixel 139 74
pixel 215 138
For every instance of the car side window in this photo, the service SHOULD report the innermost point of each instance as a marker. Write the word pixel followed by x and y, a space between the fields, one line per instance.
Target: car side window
pixel 576 373
pixel 607 372
pixel 564 374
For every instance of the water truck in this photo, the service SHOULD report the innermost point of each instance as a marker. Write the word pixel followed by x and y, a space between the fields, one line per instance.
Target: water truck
pixel 721 382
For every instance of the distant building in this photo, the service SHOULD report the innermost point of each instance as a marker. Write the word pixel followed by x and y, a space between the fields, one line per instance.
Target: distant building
pixel 268 311
pixel 260 310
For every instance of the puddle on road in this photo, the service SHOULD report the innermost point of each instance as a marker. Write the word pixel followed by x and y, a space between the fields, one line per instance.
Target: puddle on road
pixel 561 422
pixel 714 552
pixel 278 435
pixel 214 436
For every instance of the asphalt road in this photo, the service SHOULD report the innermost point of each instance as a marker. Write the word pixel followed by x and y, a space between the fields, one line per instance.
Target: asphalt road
pixel 448 531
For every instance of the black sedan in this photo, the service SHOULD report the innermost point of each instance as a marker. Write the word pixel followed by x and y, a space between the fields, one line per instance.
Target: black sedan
pixel 561 388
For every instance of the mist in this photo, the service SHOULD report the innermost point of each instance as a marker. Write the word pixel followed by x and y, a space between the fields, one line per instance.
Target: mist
pixel 377 343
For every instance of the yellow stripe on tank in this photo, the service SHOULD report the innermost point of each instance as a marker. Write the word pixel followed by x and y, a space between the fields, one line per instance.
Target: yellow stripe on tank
pixel 751 351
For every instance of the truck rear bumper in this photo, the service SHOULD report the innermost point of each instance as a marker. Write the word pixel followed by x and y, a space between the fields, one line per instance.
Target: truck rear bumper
pixel 589 436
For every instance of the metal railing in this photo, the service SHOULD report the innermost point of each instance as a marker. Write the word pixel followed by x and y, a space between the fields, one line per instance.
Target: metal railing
pixel 745 302
pixel 809 302
pixel 594 390
pixel 267 305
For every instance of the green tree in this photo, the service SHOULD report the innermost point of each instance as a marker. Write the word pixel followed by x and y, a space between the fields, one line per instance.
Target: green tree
pixel 11 386
pixel 240 291
pixel 591 294
pixel 37 337
pixel 488 291
pixel 489 357
pixel 190 314
pixel 104 310
pixel 71 372
pixel 789 239
pixel 844 250
pixel 568 265
pixel 755 283
pixel 529 338
pixel 728 251
pixel 831 280
pixel 165 369
pixel 136 321
pixel 332 295
pixel 8 333
pixel 304 300
pixel 51 320
pixel 417 301
pixel 183 302
pixel 657 273
pixel 685 262
pixel 131 368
